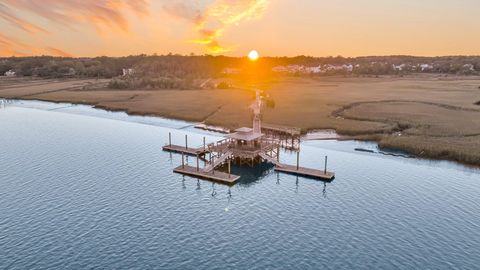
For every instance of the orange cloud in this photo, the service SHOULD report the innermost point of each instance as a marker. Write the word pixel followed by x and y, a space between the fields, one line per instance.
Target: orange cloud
pixel 7 15
pixel 138 6
pixel 12 47
pixel 100 13
pixel 211 21
pixel 111 14
pixel 57 52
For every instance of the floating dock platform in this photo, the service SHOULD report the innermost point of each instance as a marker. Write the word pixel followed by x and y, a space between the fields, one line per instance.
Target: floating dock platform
pixel 216 176
pixel 183 150
pixel 312 173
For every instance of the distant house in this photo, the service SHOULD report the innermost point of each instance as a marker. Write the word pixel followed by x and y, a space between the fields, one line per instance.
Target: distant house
pixel 10 73
pixel 469 67
pixel 426 67
pixel 300 69
pixel 231 71
pixel 398 67
pixel 71 73
pixel 127 71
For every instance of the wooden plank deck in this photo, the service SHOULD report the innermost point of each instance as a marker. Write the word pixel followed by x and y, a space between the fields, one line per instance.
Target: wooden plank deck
pixel 313 173
pixel 182 149
pixel 282 129
pixel 215 176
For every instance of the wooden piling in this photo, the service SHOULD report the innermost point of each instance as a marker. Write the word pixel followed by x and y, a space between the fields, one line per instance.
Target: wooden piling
pixel 204 145
pixel 278 153
pixel 170 138
pixel 298 160
pixel 197 164
pixel 186 141
pixel 213 168
pixel 325 170
pixel 229 173
pixel 183 161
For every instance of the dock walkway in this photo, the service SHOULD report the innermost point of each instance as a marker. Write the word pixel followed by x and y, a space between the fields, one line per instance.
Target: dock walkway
pixel 216 176
pixel 185 150
pixel 217 162
pixel 313 173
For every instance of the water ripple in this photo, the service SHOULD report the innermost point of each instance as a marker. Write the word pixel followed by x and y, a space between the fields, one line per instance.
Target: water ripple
pixel 84 192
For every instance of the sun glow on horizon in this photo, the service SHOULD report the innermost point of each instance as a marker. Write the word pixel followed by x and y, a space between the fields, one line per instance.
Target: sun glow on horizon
pixel 253 55
pixel 233 28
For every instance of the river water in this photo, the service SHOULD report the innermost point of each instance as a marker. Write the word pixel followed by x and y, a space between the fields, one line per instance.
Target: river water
pixel 84 188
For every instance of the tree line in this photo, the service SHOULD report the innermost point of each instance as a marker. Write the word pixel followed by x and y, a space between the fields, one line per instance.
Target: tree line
pixel 165 69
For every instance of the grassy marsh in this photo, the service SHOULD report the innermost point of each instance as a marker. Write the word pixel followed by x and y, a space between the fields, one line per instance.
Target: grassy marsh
pixel 430 116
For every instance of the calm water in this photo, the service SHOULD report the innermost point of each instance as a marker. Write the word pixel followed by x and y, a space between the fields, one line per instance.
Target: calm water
pixel 82 191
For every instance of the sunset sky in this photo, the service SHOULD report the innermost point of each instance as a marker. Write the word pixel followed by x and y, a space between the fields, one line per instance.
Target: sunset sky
pixel 273 27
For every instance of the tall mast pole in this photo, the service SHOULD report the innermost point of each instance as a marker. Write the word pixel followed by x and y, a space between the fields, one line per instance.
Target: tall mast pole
pixel 257 105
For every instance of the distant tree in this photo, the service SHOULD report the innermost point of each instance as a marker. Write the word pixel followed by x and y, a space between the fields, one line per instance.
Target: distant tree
pixel 182 71
pixel 4 67
pixel 223 85
pixel 270 103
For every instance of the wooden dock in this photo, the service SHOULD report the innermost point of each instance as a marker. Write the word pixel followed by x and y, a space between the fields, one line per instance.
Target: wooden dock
pixel 312 173
pixel 183 150
pixel 216 176
pixel 244 144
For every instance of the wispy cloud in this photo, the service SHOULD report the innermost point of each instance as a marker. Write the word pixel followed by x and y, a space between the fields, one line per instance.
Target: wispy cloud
pixel 212 20
pixel 57 52
pixel 209 19
pixel 13 47
pixel 100 13
pixel 7 14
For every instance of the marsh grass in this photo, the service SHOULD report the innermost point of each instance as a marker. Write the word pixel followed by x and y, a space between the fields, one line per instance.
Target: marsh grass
pixel 459 149
pixel 435 118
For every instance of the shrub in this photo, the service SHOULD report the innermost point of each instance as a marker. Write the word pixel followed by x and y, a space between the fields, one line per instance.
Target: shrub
pixel 270 103
pixel 223 85
pixel 118 84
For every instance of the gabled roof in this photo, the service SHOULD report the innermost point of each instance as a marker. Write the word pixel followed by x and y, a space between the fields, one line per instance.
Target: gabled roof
pixel 244 129
pixel 245 136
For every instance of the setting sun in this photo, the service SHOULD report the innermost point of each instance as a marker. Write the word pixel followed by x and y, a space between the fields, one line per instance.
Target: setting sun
pixel 253 55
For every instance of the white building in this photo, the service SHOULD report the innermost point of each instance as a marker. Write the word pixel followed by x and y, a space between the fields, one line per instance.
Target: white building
pixel 399 67
pixel 10 73
pixel 312 70
pixel 426 67
pixel 127 71
pixel 469 67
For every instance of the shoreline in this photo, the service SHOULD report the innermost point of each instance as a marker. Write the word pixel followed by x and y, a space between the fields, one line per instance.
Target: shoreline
pixel 422 116
pixel 310 135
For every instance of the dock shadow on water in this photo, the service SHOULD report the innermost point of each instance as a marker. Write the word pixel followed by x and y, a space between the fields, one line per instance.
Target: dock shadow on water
pixel 250 175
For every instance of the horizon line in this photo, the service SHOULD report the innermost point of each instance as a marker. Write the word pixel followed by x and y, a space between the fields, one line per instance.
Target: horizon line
pixel 228 56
